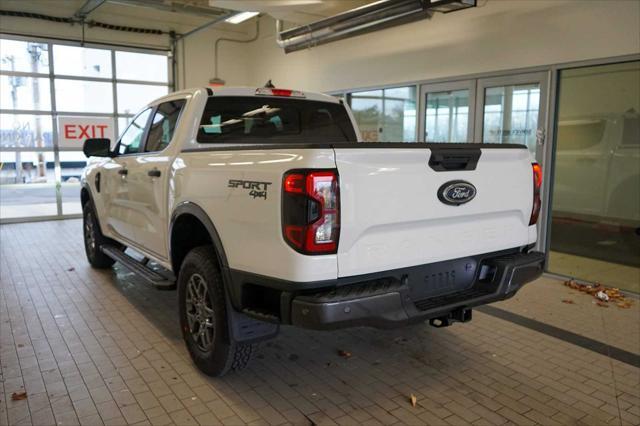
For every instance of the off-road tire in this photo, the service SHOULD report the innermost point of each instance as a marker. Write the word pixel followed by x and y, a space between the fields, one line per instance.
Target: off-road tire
pixel 92 245
pixel 223 353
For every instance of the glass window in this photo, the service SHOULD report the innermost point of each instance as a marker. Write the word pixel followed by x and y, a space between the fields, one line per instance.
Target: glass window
pixel 631 130
pixel 132 137
pixel 386 115
pixel 123 123
pixel 81 61
pixel 511 114
pixel 142 66
pixel 252 119
pixel 447 116
pixel 27 93
pixel 30 175
pixel 24 56
pixel 71 165
pixel 132 97
pixel 367 110
pixel 83 96
pixel 27 184
pixel 25 131
pixel 595 230
pixel 163 125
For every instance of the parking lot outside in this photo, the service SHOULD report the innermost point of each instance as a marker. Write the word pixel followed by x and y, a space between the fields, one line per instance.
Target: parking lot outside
pixel 102 347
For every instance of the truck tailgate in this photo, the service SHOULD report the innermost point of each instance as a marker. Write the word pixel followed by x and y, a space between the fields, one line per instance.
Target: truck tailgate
pixel 392 217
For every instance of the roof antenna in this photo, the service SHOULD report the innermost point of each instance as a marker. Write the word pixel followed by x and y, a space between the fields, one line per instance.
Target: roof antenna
pixel 269 85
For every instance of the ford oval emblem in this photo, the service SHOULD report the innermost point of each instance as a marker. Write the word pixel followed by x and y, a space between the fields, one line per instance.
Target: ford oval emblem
pixel 456 192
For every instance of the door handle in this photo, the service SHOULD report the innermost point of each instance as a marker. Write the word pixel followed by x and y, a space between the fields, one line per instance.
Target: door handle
pixel 123 172
pixel 154 173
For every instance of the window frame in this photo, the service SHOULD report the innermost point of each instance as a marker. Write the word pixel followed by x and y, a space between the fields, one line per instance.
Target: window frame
pixel 53 112
pixel 144 136
pixel 155 110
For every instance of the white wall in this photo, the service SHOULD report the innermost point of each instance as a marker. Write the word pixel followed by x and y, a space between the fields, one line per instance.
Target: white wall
pixel 501 35
pixel 234 64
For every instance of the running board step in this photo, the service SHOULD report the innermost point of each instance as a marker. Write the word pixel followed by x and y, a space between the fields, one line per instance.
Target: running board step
pixel 139 268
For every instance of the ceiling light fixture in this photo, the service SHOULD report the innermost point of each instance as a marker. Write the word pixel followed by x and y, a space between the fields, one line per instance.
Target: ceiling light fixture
pixel 241 17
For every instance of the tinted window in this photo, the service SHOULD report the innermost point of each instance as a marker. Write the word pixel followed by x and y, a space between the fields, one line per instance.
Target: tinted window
pixel 163 125
pixel 273 120
pixel 131 138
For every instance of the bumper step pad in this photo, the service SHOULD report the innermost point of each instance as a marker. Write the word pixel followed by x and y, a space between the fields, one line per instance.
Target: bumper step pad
pixel 387 302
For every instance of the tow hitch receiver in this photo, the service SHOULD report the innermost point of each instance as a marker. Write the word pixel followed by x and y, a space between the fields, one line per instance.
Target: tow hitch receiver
pixel 458 315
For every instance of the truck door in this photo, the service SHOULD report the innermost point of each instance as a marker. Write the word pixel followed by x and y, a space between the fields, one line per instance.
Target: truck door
pixel 148 181
pixel 118 203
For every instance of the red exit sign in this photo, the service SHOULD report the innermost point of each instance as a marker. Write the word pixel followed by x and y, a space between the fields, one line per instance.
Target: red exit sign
pixel 73 131
pixel 78 131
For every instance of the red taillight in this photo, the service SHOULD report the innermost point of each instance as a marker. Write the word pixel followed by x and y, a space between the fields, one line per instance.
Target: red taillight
pixel 295 183
pixel 537 203
pixel 310 211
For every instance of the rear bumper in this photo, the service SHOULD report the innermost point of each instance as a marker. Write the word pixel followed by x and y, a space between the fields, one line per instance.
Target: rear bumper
pixel 387 303
pixel 388 299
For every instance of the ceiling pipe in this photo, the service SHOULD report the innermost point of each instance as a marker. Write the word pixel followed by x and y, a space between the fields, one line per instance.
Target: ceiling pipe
pixel 373 17
pixel 362 20
pixel 216 79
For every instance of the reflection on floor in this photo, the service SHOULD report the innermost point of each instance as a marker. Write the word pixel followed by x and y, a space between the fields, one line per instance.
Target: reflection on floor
pixel 583 268
pixel 597 239
pixel 38 210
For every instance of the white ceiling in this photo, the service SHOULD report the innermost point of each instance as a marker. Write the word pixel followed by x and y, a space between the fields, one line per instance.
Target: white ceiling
pixel 117 13
pixel 295 11
pixel 113 12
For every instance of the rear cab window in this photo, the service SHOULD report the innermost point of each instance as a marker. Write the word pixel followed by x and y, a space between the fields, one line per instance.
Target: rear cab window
pixel 250 119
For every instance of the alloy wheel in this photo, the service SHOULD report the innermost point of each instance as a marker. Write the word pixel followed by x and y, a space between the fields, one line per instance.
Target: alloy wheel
pixel 200 315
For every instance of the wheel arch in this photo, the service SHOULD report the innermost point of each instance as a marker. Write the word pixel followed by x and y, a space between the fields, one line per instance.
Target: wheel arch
pixel 193 216
pixel 87 197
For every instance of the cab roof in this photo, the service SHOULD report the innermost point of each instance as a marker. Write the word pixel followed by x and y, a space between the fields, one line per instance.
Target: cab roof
pixel 248 91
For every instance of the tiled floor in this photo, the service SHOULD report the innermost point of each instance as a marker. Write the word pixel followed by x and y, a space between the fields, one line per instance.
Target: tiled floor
pixel 96 347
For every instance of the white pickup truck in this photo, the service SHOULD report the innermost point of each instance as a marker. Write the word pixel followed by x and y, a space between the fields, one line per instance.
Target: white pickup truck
pixel 264 208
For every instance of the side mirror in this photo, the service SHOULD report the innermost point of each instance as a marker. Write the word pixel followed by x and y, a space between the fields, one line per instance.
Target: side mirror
pixel 97 147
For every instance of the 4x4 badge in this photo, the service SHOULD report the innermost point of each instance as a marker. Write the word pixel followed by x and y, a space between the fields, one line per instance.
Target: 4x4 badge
pixel 456 192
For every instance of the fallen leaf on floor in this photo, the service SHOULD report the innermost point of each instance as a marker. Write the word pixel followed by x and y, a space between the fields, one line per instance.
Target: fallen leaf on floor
pixel 568 301
pixel 18 396
pixel 602 294
pixel 344 354
pixel 413 400
pixel 20 345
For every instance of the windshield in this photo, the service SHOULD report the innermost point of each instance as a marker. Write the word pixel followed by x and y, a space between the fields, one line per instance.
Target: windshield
pixel 274 120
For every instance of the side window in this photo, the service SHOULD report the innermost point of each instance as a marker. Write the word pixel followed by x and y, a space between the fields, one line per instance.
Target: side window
pixel 132 137
pixel 163 125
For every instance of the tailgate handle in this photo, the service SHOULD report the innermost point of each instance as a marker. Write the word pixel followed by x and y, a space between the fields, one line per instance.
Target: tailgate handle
pixel 454 159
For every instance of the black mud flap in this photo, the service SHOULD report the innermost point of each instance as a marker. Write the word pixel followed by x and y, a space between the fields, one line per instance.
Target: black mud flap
pixel 245 329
